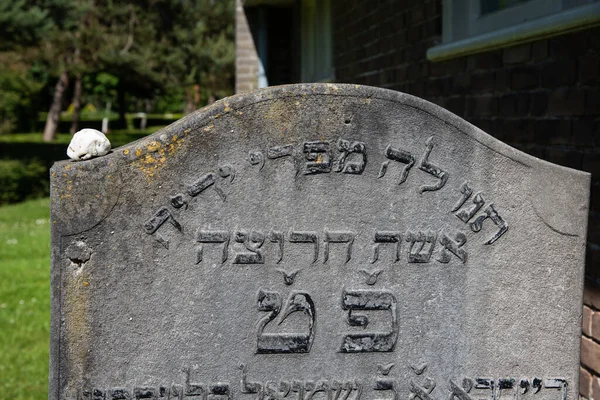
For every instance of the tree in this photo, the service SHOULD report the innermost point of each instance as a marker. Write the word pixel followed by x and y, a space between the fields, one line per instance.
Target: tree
pixel 62 45
pixel 199 50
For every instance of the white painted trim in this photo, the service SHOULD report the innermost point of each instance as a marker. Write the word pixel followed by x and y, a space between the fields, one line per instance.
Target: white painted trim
pixel 553 25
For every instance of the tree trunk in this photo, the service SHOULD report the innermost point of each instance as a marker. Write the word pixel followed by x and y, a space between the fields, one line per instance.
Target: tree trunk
pixel 189 101
pixel 56 107
pixel 211 97
pixel 196 96
pixel 122 107
pixel 76 103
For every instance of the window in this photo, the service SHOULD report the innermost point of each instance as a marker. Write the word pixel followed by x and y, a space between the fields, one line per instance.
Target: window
pixel 316 64
pixel 471 26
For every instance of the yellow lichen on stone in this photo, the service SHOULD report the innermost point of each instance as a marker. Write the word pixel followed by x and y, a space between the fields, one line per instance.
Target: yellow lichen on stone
pixel 67 167
pixel 138 152
pixel 156 157
pixel 125 152
pixel 77 325
pixel 153 146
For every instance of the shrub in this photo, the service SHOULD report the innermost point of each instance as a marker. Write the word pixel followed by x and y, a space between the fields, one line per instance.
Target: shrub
pixel 21 180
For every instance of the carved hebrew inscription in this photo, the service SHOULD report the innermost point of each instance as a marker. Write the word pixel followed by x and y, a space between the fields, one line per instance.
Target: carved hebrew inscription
pixel 316 158
pixel 369 300
pixel 421 387
pixel 271 302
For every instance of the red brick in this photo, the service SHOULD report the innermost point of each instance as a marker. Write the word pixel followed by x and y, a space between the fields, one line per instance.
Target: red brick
pixel 586 324
pixel 585 383
pixel 483 82
pixel 566 158
pixel 539 104
pixel 559 73
pixel 485 61
pixel 461 83
pixel 523 78
pixel 591 296
pixel 456 105
pixel 513 105
pixel 596 326
pixel 590 355
pixel 482 106
pixel 501 81
pixel 583 131
pixel 566 102
pixel 517 54
pixel 518 130
pixel 568 46
pixel 591 164
pixel 539 50
pixel 594 235
pixel 592 102
pixel 592 264
pixel 589 69
pixel 596 388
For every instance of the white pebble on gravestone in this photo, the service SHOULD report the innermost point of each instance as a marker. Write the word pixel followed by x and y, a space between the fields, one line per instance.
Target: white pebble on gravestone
pixel 88 143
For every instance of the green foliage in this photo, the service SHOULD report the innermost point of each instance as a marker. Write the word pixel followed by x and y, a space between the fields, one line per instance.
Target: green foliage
pixel 159 55
pixel 17 96
pixel 24 299
pixel 22 24
pixel 22 180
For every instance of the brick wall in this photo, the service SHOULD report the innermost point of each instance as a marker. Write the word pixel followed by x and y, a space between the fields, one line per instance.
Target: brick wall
pixel 541 97
pixel 246 57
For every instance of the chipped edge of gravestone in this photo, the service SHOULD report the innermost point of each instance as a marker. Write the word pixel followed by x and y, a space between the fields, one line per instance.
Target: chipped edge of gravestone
pixel 576 183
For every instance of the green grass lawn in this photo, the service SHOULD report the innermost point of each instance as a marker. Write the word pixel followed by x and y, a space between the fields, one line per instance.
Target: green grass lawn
pixel 24 299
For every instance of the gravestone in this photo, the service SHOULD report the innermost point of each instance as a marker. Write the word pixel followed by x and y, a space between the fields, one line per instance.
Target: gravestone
pixel 331 242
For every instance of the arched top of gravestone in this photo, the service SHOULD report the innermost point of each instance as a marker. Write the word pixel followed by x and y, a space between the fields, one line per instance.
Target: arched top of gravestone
pixel 287 109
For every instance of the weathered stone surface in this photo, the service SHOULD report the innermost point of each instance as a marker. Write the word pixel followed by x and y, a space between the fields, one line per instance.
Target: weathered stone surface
pixel 337 242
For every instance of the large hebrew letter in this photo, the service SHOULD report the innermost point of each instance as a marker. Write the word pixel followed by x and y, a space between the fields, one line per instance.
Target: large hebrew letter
pixel 466 192
pixel 319 155
pixel 459 393
pixel 493 215
pixel 253 242
pixel 466 214
pixel 387 237
pixel 285 342
pixel 339 237
pixel 212 237
pixel 419 251
pixel 160 217
pixel 351 167
pixel 369 300
pixel 557 383
pixel 157 220
pixel 277 390
pixel 428 167
pixel 387 384
pixel 399 156
pixel 219 391
pixel 205 181
pixel 450 246
pixel 277 237
pixel 280 151
pixel 251 387
pixel 343 390
pixel 306 237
